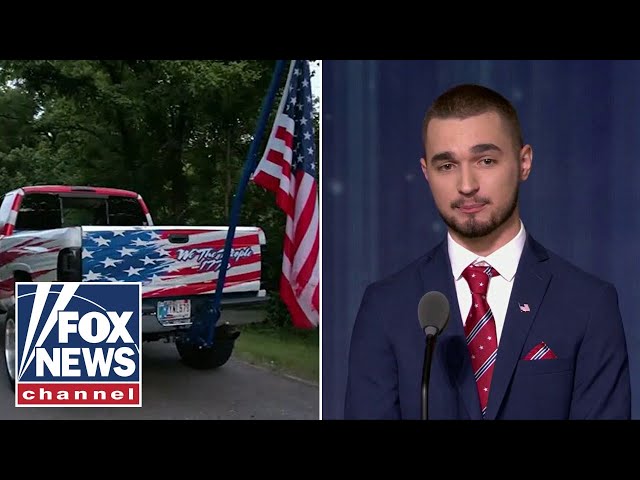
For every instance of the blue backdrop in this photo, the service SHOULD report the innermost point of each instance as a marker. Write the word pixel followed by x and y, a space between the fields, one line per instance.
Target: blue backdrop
pixel 582 119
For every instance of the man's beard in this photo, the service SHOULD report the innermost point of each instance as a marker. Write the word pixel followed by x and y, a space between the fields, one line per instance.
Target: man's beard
pixel 472 228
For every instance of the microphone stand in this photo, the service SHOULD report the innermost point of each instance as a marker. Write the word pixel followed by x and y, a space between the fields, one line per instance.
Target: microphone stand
pixel 430 344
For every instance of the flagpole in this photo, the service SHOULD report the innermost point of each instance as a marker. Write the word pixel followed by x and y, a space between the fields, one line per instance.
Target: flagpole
pixel 249 166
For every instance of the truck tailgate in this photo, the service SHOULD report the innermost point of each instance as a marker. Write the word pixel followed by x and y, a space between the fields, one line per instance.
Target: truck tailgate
pixel 172 261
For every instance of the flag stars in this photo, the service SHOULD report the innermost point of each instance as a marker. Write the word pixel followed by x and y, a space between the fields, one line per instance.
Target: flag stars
pixel 91 275
pixel 109 262
pixel 101 241
pixel 138 242
pixel 133 271
pixel 146 260
pixel 124 251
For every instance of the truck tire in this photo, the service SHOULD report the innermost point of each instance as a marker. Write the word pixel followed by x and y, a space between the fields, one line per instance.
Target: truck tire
pixel 207 358
pixel 10 347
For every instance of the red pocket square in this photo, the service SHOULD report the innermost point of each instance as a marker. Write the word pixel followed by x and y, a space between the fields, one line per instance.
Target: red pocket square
pixel 540 352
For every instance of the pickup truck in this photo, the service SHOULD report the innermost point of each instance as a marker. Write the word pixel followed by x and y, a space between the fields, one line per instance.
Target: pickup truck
pixel 58 233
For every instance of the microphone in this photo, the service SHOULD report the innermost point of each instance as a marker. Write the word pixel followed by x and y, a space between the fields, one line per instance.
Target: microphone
pixel 433 314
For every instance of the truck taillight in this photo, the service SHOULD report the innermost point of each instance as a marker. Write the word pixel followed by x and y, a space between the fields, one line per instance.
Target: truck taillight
pixel 70 265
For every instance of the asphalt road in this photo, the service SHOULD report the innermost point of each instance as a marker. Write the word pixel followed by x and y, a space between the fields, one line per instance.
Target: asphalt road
pixel 172 391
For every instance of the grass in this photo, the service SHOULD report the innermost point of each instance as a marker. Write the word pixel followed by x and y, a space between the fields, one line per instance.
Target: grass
pixel 286 350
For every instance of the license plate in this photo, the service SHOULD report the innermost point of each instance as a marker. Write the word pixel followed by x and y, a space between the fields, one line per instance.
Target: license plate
pixel 170 310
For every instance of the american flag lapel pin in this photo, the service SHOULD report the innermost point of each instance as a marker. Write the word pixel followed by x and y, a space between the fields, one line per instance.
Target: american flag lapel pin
pixel 524 307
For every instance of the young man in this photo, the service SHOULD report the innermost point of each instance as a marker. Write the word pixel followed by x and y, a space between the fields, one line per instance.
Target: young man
pixel 530 336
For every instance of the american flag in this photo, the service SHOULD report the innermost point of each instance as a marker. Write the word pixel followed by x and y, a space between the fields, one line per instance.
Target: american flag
pixel 171 269
pixel 288 168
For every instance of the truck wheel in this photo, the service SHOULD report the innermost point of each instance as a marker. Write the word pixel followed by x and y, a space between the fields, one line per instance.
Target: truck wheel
pixel 207 358
pixel 10 347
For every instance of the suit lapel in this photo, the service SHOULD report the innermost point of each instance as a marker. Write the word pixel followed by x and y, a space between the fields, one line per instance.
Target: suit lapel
pixel 530 285
pixel 451 347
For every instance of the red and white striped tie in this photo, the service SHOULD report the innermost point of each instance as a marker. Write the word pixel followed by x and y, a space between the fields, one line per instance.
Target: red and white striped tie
pixel 480 329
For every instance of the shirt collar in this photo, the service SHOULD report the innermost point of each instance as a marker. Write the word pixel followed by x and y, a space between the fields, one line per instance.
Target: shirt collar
pixel 505 260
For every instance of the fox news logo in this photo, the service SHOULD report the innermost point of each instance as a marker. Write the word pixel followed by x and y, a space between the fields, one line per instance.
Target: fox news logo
pixel 78 344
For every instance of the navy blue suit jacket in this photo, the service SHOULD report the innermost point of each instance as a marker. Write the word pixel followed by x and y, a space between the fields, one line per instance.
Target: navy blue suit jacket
pixel 574 313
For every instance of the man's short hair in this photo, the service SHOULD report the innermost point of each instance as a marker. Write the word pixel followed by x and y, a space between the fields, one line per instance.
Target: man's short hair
pixel 468 100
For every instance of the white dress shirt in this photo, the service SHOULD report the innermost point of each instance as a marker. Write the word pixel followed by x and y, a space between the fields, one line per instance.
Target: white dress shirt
pixel 505 260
